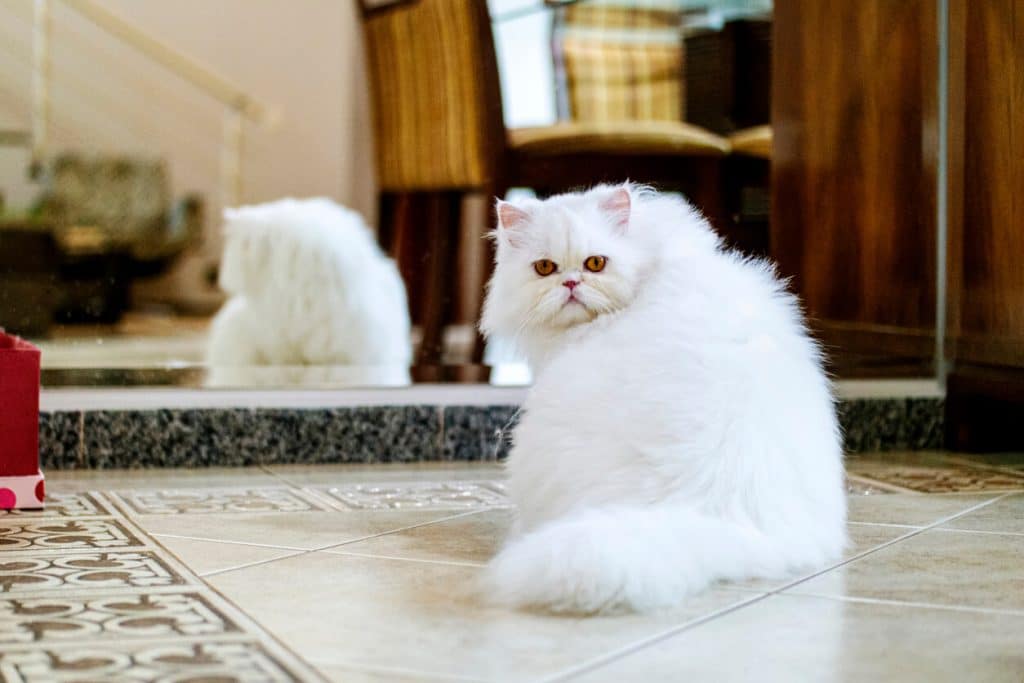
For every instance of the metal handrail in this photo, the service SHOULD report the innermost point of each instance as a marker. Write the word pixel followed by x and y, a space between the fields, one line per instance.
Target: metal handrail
pixel 182 65
pixel 238 104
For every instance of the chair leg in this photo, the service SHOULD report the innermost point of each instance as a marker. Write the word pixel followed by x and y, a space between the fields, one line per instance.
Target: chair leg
pixel 441 223
pixel 479 345
pixel 387 221
pixel 708 194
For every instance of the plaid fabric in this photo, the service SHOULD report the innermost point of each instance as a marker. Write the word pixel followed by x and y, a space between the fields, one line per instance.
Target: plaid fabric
pixel 618 62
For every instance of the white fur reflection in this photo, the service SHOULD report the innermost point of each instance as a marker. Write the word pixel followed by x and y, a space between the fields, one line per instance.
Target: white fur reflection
pixel 308 286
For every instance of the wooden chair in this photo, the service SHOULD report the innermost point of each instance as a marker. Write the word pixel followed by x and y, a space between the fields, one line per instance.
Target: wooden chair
pixel 748 171
pixel 440 136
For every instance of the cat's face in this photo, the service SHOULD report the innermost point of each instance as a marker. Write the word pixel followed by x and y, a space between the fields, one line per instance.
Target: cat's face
pixel 563 262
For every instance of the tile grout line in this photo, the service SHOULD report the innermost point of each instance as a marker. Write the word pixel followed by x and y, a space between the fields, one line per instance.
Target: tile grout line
pixel 266 470
pixel 636 647
pixel 337 545
pixel 254 563
pixel 371 556
pixel 864 553
pixel 644 643
pixel 906 603
pixel 885 524
pixel 206 539
pixel 400 529
pixel 982 531
pixel 877 483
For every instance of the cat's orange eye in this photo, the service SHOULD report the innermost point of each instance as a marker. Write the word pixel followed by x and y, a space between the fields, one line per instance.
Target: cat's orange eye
pixel 595 264
pixel 544 267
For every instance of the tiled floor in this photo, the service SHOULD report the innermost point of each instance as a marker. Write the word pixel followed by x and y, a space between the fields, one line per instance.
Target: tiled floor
pixel 365 574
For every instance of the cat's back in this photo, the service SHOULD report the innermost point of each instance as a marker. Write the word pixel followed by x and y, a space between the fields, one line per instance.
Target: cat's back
pixel 701 339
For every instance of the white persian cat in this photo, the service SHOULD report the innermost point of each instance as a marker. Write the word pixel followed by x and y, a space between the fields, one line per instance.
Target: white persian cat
pixel 308 286
pixel 680 430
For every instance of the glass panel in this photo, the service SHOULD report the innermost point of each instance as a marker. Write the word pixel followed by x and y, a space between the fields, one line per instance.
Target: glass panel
pixel 807 133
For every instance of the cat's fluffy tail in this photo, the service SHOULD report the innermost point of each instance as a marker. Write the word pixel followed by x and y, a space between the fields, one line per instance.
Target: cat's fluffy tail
pixel 627 559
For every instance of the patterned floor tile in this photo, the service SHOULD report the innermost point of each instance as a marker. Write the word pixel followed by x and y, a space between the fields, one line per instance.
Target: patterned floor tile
pixel 937 479
pixel 204 501
pixel 64 505
pixel 19 533
pixel 450 495
pixel 186 661
pixel 56 619
pixel 24 572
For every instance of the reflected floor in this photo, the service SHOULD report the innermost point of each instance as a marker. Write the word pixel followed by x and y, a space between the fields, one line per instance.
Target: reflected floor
pixel 141 340
pixel 364 574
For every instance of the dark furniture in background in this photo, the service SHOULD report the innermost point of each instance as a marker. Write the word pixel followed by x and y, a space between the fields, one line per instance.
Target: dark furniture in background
pixel 729 75
pixel 985 311
pixel 853 189
pixel 855 114
pixel 441 136
pixel 99 223
pixel 30 290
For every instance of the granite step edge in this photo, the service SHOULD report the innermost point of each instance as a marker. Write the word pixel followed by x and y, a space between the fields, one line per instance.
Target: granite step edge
pixel 201 437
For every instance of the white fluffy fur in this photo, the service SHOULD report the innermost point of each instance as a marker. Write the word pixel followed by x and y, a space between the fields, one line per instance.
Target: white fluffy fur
pixel 308 286
pixel 680 430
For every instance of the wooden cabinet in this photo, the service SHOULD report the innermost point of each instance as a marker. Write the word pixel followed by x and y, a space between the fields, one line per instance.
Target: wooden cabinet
pixel 854 202
pixel 985 392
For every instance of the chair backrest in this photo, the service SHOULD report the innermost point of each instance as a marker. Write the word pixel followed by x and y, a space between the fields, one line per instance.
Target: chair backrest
pixel 436 95
pixel 619 61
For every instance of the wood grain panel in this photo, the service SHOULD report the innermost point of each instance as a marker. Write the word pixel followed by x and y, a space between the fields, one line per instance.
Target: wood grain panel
pixel 853 206
pixel 990 321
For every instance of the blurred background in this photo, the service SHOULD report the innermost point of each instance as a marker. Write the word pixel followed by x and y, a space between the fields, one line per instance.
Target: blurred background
pixel 834 138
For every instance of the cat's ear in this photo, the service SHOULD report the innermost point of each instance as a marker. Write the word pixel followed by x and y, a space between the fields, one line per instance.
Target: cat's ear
pixel 512 223
pixel 617 206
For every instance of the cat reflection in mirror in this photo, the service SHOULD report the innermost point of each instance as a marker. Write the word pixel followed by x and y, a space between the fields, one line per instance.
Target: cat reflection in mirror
pixel 308 285
pixel 680 430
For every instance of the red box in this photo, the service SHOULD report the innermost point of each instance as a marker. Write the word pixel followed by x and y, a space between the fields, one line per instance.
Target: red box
pixel 21 480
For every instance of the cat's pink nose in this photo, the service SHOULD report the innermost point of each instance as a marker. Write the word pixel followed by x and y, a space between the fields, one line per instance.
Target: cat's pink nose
pixel 571 284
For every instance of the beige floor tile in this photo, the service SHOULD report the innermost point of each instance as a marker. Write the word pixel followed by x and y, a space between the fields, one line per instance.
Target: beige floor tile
pixel 471 538
pixel 296 530
pixel 203 557
pixel 912 509
pixel 70 481
pixel 377 613
pixel 936 567
pixel 787 638
pixel 862 537
pixel 331 475
pixel 1004 515
pixel 345 674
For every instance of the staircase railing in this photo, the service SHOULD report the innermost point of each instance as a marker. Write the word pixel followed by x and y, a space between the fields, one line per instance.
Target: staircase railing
pixel 238 105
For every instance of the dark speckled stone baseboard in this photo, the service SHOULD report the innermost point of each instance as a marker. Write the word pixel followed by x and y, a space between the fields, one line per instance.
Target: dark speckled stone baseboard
pixel 913 424
pixel 229 437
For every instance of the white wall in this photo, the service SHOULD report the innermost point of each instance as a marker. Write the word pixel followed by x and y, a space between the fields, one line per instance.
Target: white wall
pixel 304 57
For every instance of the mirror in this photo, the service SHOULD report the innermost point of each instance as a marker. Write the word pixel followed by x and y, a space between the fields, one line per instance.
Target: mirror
pixel 151 235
